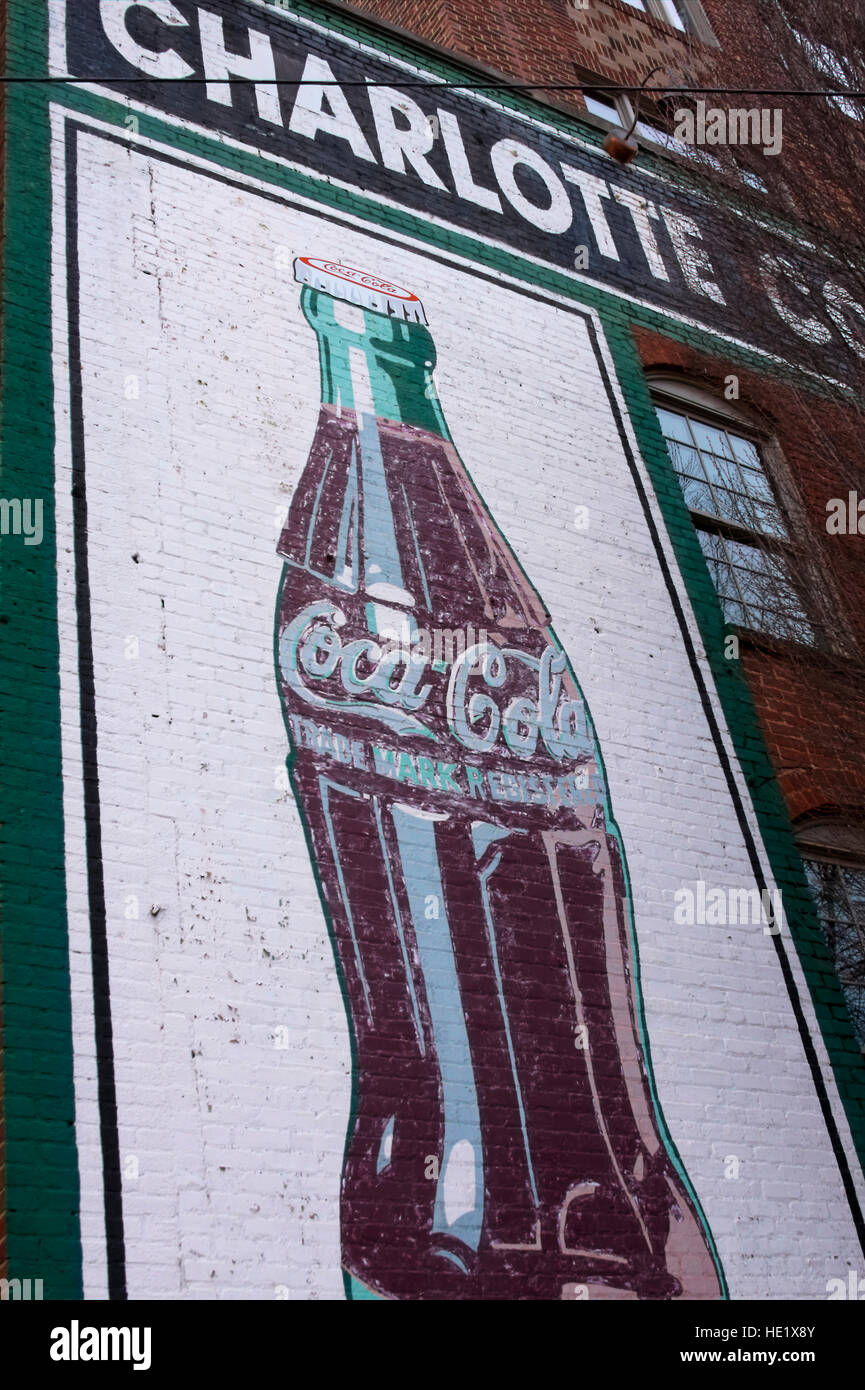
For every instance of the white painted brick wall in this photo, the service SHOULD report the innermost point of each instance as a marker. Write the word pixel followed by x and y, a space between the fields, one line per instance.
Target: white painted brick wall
pixel 239 1143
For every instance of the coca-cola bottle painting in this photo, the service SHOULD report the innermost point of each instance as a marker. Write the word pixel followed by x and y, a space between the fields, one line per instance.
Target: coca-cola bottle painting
pixel 505 1141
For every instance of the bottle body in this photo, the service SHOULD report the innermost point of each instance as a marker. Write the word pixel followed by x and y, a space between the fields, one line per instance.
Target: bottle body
pixel 504 1142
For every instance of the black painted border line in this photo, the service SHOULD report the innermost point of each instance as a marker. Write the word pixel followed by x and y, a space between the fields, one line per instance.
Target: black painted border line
pixel 108 1106
pixel 103 1030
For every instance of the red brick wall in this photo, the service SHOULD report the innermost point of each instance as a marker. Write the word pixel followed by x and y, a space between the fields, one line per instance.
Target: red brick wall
pixel 430 19
pixel 543 39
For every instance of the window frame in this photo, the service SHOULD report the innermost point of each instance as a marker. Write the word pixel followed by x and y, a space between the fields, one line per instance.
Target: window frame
pixel 686 17
pixel 816 848
pixel 816 595
pixel 625 113
pixel 671 14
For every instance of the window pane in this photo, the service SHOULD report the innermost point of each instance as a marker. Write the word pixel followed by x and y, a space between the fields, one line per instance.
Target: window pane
pixel 766 574
pixel 674 13
pixel 600 106
pixel 839 895
pixel 744 511
pixel 757 484
pixel 697 495
pixel 848 950
pixel 745 451
pixel 722 472
pixel 735 613
pixel 732 465
pixel 854 883
pixel 760 582
pixel 722 577
pixel 713 547
pixel 709 439
pixel 674 426
pixel 669 142
pixel 686 459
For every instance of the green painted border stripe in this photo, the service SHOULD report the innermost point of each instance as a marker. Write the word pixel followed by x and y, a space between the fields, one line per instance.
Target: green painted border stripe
pixel 740 713
pixel 41 1160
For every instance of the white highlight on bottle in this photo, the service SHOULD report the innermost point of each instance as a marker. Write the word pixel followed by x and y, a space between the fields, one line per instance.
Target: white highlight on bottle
pixel 459 1181
pixel 361 384
pixel 349 316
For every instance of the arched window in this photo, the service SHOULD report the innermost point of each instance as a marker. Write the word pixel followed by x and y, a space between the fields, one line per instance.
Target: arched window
pixel 745 526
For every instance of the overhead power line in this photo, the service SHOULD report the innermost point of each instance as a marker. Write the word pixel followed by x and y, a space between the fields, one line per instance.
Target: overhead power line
pixel 845 92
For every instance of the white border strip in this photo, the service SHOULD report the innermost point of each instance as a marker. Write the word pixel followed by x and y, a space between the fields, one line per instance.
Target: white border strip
pixel 87 1130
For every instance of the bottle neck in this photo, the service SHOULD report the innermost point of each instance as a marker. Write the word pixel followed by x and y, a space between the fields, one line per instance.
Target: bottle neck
pixel 374 364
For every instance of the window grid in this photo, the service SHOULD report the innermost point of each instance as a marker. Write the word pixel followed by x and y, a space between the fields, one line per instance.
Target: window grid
pixel 839 894
pixel 675 14
pixel 741 530
pixel 618 110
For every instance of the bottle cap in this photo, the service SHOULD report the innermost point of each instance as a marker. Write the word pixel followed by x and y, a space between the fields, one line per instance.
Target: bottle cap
pixel 357 287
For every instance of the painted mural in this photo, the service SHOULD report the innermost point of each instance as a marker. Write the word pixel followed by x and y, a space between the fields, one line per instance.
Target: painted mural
pixel 338 983
pixel 505 1141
